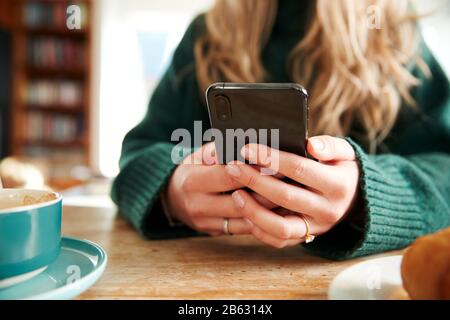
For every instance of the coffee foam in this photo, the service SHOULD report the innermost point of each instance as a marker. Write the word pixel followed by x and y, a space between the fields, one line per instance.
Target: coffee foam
pixel 26 200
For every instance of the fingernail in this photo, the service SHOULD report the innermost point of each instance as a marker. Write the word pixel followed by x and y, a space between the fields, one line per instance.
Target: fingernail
pixel 209 159
pixel 248 153
pixel 317 144
pixel 233 170
pixel 238 200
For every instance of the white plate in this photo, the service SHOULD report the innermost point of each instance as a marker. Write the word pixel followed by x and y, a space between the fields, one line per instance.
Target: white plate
pixel 375 279
pixel 20 278
pixel 79 265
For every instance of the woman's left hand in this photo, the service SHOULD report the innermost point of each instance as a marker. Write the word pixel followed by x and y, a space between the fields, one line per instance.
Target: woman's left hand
pixel 324 194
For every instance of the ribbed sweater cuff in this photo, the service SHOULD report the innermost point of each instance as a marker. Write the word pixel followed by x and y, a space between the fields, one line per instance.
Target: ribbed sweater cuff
pixel 393 211
pixel 139 186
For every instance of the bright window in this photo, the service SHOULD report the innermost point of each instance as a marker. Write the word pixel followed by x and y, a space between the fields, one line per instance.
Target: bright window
pixel 137 39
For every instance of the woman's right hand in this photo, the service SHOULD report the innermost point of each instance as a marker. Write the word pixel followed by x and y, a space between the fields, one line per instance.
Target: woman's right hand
pixel 195 195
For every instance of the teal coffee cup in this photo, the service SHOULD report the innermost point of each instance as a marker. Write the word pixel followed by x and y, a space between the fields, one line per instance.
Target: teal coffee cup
pixel 30 233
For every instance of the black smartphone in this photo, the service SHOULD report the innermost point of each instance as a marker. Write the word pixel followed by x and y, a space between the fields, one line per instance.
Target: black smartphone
pixel 274 114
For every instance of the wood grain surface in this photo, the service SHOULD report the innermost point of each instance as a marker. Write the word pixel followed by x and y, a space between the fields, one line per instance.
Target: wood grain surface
pixel 227 267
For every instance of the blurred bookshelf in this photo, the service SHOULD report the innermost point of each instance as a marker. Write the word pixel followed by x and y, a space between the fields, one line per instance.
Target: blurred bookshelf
pixel 51 87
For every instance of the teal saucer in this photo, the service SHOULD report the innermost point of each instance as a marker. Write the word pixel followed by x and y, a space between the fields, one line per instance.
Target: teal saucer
pixel 79 265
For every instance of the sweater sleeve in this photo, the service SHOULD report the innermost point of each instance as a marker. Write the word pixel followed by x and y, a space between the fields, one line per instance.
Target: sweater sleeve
pixel 405 192
pixel 146 163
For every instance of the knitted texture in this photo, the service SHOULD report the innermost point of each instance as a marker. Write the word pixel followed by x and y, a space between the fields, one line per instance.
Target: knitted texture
pixel 404 189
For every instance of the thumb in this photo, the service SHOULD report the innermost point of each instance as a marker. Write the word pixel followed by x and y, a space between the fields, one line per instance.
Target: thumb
pixel 328 148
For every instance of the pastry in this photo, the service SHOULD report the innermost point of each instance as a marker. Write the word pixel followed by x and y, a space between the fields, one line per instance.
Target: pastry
pixel 426 267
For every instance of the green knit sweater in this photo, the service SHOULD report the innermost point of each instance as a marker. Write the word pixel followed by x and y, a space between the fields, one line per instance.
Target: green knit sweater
pixel 404 188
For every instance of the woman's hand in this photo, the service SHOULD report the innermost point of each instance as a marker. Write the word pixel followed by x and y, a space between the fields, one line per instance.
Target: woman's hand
pixel 195 195
pixel 325 191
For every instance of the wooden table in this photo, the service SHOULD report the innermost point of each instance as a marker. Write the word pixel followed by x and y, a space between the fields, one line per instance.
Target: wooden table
pixel 228 267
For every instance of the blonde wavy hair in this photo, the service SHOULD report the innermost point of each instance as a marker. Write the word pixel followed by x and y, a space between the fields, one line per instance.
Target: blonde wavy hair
pixel 355 75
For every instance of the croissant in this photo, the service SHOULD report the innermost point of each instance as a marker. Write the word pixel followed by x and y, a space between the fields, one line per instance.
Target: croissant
pixel 425 267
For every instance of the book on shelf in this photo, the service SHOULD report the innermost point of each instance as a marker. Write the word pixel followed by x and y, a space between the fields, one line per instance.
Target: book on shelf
pixel 53 128
pixel 50 14
pixel 52 52
pixel 63 93
pixel 51 76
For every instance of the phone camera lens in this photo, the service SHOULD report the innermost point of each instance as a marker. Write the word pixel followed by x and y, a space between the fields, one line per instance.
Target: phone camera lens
pixel 223 107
